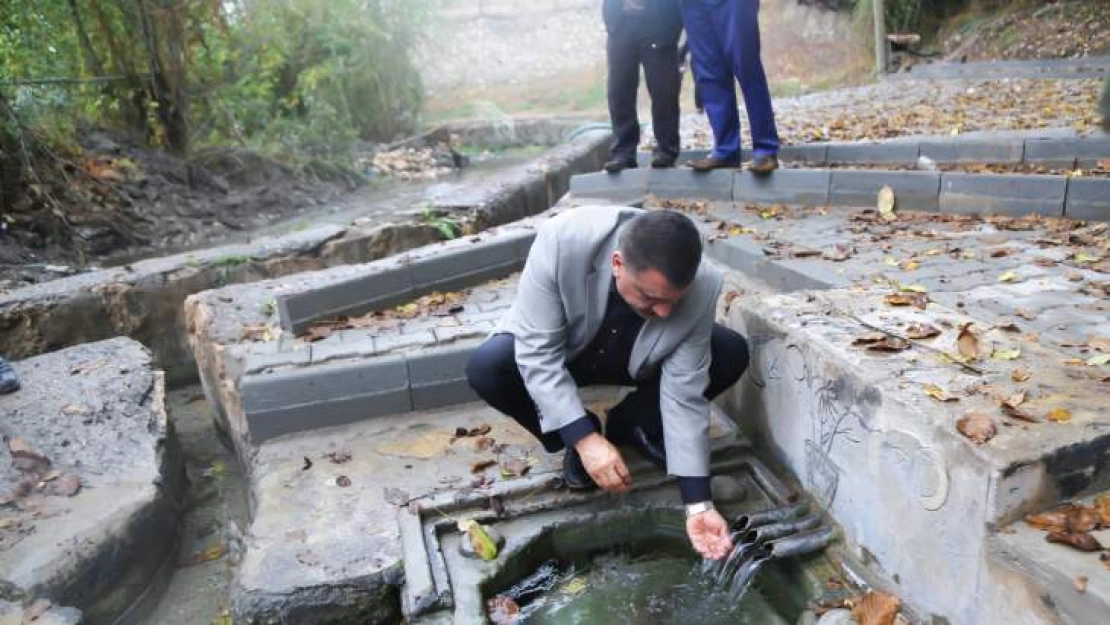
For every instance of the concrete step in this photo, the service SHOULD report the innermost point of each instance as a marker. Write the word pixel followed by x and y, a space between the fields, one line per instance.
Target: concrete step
pixel 945 192
pixel 95 524
pixel 1072 586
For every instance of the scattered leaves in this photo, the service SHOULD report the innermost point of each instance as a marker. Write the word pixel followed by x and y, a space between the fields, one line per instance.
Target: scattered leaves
pixel 977 426
pixel 1080 540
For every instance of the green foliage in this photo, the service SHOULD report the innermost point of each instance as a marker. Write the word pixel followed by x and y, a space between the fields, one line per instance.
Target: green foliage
pixel 448 228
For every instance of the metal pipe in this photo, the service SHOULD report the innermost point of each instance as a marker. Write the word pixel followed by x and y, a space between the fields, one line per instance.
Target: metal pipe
pixel 745 522
pixel 765 533
pixel 801 544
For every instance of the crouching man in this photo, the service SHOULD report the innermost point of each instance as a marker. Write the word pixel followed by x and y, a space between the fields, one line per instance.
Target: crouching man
pixel 618 296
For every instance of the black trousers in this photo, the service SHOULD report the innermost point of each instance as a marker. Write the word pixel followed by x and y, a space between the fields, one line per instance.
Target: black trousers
pixel 627 49
pixel 493 374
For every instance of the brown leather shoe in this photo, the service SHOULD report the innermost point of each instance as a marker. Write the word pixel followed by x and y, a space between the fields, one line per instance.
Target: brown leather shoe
pixel 709 163
pixel 763 165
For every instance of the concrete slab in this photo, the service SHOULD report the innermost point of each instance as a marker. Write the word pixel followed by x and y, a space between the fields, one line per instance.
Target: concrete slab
pixel 1079 153
pixel 683 182
pixel 1002 194
pixel 995 150
pixel 901 153
pixel 319 552
pixel 916 190
pixel 785 186
pixel 92 517
pixel 1088 198
pixel 813 153
pixel 861 434
pixel 628 187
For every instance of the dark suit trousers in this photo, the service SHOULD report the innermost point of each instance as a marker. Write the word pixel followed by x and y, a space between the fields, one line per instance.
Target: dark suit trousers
pixel 493 374
pixel 628 47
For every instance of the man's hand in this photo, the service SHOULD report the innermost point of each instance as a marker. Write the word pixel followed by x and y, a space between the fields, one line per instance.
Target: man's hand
pixel 708 533
pixel 604 463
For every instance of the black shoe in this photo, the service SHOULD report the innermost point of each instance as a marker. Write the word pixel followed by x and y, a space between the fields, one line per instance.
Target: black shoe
pixel 617 165
pixel 9 382
pixel 763 165
pixel 574 473
pixel 710 163
pixel 662 161
pixel 649 448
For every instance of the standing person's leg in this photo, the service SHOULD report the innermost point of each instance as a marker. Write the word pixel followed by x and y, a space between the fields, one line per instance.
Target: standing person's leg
pixel 713 73
pixel 639 410
pixel 623 56
pixel 664 83
pixel 739 29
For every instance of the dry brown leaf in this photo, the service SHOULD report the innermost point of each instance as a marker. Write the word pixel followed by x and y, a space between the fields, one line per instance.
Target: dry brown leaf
pixel 1053 520
pixel 917 300
pixel 1080 540
pixel 876 608
pixel 1102 506
pixel 482 465
pixel 1101 343
pixel 502 610
pixel 1025 314
pixel 869 338
pixel 1020 375
pixel 919 331
pixel 967 342
pixel 1014 400
pixel 939 394
pixel 67 485
pixel 515 467
pixel 889 344
pixel 977 426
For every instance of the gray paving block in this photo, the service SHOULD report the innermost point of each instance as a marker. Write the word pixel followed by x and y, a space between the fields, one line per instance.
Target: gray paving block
pixel 462 267
pixel 1000 150
pixel 627 187
pixel 683 182
pixel 1088 198
pixel 438 376
pixel 380 289
pixel 1084 152
pixel 784 275
pixel 814 153
pixel 343 345
pixel 262 360
pixel 916 190
pixel 901 153
pixel 1002 194
pixel 785 186
pixel 643 158
pixel 398 341
pixel 324 396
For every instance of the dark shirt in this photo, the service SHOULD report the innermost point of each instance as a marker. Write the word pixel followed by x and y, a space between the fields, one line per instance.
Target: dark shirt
pixel 605 361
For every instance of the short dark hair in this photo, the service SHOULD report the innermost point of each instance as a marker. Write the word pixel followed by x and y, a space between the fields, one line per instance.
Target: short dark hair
pixel 663 240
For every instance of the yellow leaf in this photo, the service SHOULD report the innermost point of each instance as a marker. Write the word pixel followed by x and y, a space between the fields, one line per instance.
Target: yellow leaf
pixel 911 265
pixel 890 262
pixel 1006 354
pixel 913 288
pixel 484 545
pixel 938 393
pixel 934 252
pixel 886 203
pixel 1009 276
pixel 1101 359
pixel 1059 415
pixel 574 586
pixel 1084 257
pixel 967 254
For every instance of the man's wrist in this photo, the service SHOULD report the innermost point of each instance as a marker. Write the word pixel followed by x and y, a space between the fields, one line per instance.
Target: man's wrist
pixel 694 509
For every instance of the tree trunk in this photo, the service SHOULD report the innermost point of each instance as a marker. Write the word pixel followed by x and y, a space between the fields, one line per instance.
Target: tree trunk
pixel 88 54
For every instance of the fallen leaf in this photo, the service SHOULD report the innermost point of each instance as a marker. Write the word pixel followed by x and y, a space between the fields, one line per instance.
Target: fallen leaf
pixel 1097 361
pixel 977 426
pixel 260 332
pixel 482 465
pixel 876 608
pixel 307 464
pixel 917 300
pixel 869 338
pixel 886 203
pixel 1025 314
pixel 1080 540
pixel 1053 520
pixel 483 544
pixel 1059 415
pixel 502 610
pixel 839 253
pixel 339 457
pixel 1080 583
pixel 919 331
pixel 75 409
pixel 343 481
pixel 515 467
pixel 1100 343
pixel 1102 506
pixel 316 333
pixel 1084 257
pixel 1006 354
pixel 483 443
pixel 67 485
pixel 939 394
pixel 967 342
pixel 396 496
pixel 88 366
pixel 1009 276
pixel 1014 400
pixel 889 344
pixel 574 587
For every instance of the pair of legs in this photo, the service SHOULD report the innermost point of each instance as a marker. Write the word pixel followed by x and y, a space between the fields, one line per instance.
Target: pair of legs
pixel 493 374
pixel 627 48
pixel 724 42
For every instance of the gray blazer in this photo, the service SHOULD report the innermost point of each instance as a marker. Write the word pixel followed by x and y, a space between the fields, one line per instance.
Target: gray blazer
pixel 559 305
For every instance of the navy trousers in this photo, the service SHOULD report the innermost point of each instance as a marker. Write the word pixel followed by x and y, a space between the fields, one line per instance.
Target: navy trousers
pixel 493 374
pixel 628 48
pixel 724 41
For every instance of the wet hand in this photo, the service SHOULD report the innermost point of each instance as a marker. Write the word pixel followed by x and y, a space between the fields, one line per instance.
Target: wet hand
pixel 708 534
pixel 604 463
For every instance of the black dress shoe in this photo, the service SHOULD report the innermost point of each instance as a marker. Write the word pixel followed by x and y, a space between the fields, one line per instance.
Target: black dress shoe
pixel 9 382
pixel 617 165
pixel 662 161
pixel 710 163
pixel 574 473
pixel 763 165
pixel 651 449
